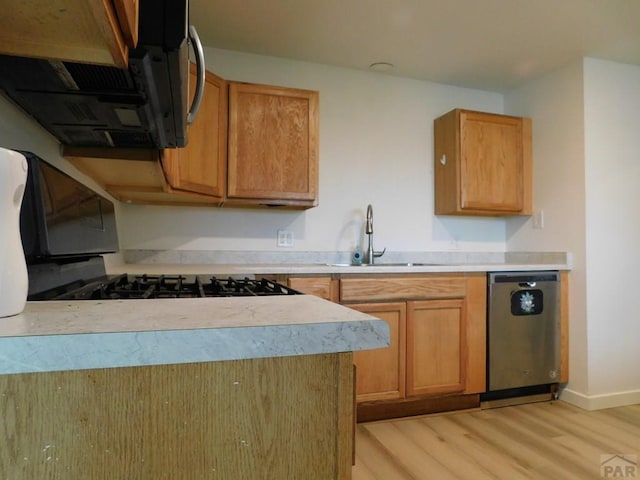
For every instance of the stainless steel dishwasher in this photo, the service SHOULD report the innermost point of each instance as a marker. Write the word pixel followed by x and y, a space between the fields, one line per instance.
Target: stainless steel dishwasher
pixel 523 329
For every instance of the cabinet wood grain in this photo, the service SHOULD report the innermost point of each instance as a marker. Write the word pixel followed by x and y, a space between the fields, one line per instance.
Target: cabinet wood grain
pixel 380 373
pixel 200 167
pixel 86 31
pixel 436 346
pixel 324 286
pixel 401 288
pixel 483 164
pixel 131 175
pixel 273 145
pixel 476 332
pixel 564 327
pixel 443 346
pixel 258 419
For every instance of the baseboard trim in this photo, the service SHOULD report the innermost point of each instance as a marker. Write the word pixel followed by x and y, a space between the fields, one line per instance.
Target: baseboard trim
pixel 598 402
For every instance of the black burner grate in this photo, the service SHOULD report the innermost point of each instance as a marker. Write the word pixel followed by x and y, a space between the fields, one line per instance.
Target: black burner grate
pixel 175 286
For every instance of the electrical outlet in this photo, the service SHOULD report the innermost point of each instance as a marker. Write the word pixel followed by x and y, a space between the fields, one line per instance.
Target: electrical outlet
pixel 538 219
pixel 285 238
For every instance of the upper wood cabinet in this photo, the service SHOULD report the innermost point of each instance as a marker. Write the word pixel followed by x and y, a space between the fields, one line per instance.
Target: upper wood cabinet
pixel 250 145
pixel 200 167
pixel 482 164
pixel 131 175
pixel 273 146
pixel 85 31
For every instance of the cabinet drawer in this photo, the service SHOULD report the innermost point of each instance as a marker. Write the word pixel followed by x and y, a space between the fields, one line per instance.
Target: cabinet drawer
pixel 401 288
pixel 323 287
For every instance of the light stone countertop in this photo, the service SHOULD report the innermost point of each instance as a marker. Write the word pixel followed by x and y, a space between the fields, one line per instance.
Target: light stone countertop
pixel 71 335
pixel 324 269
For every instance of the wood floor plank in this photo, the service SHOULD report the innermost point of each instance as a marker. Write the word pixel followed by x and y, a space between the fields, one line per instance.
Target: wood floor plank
pixel 554 446
pixel 528 445
pixel 374 461
pixel 486 456
pixel 415 460
pixel 590 425
pixel 537 441
pixel 442 451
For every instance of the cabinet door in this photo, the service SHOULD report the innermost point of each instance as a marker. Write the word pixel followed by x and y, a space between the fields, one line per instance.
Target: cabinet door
pixel 200 166
pixel 380 373
pixel 436 346
pixel 273 145
pixel 491 168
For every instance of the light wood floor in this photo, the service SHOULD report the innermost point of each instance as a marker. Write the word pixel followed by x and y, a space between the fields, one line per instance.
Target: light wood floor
pixel 547 440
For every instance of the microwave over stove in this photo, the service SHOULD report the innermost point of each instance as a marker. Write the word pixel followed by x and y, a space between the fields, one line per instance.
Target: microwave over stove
pixel 144 105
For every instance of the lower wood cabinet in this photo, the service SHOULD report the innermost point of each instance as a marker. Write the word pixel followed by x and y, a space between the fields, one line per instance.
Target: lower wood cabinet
pixel 323 286
pixel 438 340
pixel 437 322
pixel 381 373
pixel 427 352
pixel 436 347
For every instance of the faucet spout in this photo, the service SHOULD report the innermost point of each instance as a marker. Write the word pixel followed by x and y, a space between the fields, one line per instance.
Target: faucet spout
pixel 368 230
pixel 369 225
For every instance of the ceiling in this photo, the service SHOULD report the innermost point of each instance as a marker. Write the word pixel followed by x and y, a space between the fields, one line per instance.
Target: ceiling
pixel 490 45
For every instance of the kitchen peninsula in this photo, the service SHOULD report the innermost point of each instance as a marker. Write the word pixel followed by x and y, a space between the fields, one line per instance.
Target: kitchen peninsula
pixel 251 388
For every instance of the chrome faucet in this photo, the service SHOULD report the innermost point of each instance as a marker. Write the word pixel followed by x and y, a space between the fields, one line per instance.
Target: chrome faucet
pixel 371 253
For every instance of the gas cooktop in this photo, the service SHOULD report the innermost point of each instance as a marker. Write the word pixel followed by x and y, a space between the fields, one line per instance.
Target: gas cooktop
pixel 127 286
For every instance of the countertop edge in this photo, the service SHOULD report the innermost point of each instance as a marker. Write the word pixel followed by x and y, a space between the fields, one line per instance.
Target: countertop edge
pixel 81 351
pixel 324 269
pixel 77 335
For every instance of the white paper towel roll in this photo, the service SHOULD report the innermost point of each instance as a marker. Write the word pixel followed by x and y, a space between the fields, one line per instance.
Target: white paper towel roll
pixel 14 282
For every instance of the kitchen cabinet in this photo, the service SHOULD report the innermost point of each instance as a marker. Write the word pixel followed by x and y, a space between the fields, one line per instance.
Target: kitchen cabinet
pixel 200 167
pixel 321 286
pixel 436 344
pixel 250 145
pixel 132 175
pixel 438 335
pixel 193 175
pixel 273 146
pixel 381 373
pixel 483 164
pixel 564 327
pixel 85 31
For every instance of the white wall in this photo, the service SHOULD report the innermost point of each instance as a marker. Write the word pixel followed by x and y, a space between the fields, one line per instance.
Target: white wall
pixel 376 146
pixel 586 177
pixel 555 105
pixel 612 160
